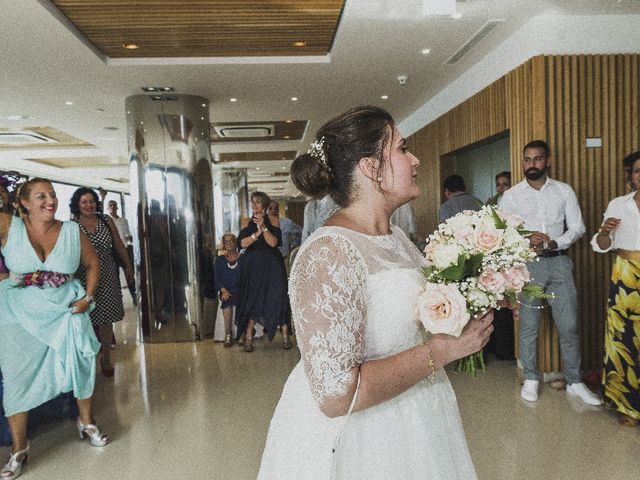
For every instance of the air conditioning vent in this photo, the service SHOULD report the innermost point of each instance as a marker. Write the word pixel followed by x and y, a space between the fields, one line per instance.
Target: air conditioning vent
pixel 245 131
pixel 475 38
pixel 20 138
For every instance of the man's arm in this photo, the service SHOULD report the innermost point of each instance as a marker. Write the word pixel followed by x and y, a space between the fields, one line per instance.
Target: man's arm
pixel 573 219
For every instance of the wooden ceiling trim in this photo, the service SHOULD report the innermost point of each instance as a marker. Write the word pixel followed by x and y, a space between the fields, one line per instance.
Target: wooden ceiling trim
pixel 206 27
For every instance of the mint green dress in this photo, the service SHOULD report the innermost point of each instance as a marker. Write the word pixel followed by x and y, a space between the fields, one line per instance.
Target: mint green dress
pixel 45 349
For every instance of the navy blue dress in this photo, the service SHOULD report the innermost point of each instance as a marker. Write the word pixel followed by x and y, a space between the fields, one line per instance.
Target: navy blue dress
pixel 227 275
pixel 263 283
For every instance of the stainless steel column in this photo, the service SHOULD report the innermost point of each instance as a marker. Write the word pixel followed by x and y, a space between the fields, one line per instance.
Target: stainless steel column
pixel 171 184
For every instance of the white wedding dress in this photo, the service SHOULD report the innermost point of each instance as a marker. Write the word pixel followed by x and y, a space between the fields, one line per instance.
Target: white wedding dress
pixel 353 299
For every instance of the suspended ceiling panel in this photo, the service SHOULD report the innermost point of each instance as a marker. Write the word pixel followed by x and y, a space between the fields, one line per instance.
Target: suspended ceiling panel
pixel 206 28
pixel 38 137
pixel 227 132
pixel 256 156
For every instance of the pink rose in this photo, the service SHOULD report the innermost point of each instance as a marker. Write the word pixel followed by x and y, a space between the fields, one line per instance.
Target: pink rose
pixel 515 277
pixel 486 238
pixel 491 281
pixel 442 309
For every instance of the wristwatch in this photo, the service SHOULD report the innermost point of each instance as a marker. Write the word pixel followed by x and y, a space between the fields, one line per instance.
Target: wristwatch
pixel 89 299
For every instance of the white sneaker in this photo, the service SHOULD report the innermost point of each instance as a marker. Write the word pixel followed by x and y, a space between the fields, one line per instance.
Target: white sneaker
pixel 529 390
pixel 581 391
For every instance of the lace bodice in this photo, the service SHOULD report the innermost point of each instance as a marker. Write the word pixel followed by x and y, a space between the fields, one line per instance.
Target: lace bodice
pixel 353 298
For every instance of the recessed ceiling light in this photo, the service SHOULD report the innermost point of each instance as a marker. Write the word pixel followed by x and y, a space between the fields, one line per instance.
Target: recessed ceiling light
pixel 456 15
pixel 233 99
pixel 201 118
pixel 294 99
pixel 257 168
pixel 299 43
pixel 384 97
pixel 426 51
pixel 284 168
pixel 149 89
pixel 68 103
pixel 286 137
pixel 288 121
pixel 130 46
pixel 204 104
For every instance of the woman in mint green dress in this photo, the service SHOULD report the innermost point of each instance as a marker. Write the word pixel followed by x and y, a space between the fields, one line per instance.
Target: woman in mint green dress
pixel 47 344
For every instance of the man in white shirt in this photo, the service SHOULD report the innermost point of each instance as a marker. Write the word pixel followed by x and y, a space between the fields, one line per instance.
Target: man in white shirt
pixel 550 210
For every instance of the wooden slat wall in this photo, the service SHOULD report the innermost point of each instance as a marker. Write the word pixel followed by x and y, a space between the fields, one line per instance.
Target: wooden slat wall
pixel 563 99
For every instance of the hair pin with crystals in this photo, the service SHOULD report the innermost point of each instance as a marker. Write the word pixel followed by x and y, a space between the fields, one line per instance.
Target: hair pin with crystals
pixel 316 150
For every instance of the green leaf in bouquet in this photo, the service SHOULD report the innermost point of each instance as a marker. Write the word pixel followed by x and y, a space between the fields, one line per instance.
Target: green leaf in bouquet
pixel 472 265
pixel 535 290
pixel 499 223
pixel 428 271
pixel 454 273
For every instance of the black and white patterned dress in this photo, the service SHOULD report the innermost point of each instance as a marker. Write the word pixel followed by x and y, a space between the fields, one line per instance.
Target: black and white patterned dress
pixel 108 297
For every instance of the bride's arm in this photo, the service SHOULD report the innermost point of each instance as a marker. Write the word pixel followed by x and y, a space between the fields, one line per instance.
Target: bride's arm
pixel 383 379
pixel 328 299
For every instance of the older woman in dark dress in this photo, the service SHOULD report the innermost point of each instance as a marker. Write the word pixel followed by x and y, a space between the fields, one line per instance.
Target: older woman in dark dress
pixel 227 276
pixel 263 277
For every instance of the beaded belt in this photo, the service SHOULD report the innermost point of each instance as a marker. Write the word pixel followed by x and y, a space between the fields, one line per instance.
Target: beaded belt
pixel 41 279
pixel 632 255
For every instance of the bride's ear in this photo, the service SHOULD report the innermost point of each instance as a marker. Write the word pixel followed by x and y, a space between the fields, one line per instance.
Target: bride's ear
pixel 369 167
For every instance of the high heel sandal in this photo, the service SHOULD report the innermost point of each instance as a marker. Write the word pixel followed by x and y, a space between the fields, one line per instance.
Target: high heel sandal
pixel 227 341
pixel 98 439
pixel 286 342
pixel 627 421
pixel 13 468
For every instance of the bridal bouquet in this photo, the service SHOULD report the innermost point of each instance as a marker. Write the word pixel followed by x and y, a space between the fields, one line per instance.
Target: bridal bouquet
pixel 476 261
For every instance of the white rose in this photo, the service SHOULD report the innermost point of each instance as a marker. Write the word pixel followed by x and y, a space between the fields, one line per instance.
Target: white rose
pixel 478 298
pixel 446 255
pixel 442 309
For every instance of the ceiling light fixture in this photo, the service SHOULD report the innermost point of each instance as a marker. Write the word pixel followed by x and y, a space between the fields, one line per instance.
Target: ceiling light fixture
pixel 288 121
pixel 384 97
pixel 299 43
pixel 233 99
pixel 68 103
pixel 286 137
pixel 294 99
pixel 130 46
pixel 426 51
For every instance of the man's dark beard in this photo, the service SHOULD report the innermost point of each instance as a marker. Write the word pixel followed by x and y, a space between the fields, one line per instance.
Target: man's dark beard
pixel 534 173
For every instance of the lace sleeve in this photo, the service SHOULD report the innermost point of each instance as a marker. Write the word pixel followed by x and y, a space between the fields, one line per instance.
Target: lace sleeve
pixel 328 304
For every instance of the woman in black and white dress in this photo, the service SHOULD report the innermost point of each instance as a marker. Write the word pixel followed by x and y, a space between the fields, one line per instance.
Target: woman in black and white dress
pixel 109 308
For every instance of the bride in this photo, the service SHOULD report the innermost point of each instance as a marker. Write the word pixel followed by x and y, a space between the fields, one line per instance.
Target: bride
pixel 369 398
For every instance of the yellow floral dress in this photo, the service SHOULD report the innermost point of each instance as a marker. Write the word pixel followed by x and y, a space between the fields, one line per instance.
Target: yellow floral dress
pixel 622 339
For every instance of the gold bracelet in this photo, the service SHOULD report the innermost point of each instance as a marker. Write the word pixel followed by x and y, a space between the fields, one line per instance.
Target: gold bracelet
pixel 431 364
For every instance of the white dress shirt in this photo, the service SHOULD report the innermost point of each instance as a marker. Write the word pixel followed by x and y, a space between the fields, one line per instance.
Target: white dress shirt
pixel 627 235
pixel 548 210
pixel 123 229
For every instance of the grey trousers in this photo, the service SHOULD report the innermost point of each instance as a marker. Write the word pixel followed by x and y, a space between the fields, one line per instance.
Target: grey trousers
pixel 556 275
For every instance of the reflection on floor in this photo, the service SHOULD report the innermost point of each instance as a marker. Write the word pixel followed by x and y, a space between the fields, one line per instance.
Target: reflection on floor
pixel 200 411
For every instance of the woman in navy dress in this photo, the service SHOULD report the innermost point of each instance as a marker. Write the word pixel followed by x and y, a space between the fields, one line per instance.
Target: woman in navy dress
pixel 263 276
pixel 227 279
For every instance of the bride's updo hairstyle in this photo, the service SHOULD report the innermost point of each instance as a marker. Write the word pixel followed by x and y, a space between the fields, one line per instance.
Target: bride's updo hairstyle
pixel 329 165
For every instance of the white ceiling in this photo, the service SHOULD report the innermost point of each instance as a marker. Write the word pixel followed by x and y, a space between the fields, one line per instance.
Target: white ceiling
pixel 43 65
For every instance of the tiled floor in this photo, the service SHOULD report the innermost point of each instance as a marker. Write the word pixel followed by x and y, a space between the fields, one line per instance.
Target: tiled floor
pixel 200 411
